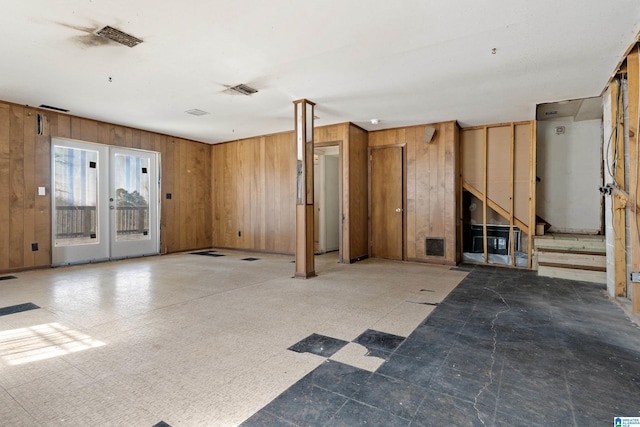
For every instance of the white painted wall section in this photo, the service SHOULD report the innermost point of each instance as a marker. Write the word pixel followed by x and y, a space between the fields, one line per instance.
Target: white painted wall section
pixel 569 168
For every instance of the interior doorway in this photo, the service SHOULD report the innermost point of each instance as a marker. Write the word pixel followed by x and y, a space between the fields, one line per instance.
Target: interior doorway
pixel 105 202
pixel 327 199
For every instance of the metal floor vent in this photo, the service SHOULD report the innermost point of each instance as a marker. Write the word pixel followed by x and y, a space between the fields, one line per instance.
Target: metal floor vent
pixel 244 89
pixel 434 247
pixel 118 36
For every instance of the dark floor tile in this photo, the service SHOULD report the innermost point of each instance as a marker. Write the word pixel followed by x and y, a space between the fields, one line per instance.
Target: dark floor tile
pixel 417 371
pixel 12 309
pixel 306 404
pixel 525 403
pixel 318 344
pixel 444 322
pixel 463 385
pixel 202 253
pixel 439 410
pixel 250 259
pixel 354 414
pixel 266 419
pixel 7 277
pixel 379 340
pixel 339 378
pixel 161 424
pixel 399 397
pixel 427 344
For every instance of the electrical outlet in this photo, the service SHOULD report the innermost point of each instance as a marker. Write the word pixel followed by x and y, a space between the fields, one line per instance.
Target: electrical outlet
pixel 635 277
pixel 34 247
pixel 239 233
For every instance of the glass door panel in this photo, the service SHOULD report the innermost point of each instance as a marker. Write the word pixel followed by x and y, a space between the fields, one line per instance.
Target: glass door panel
pixel 79 232
pixel 134 203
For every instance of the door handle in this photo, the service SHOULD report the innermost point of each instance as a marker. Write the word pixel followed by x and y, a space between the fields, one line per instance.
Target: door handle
pixel 398 210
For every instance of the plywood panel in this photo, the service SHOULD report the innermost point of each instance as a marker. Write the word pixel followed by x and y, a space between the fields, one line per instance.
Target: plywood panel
pixel 43 203
pixel 498 165
pixel 5 194
pixel 472 152
pixel 522 161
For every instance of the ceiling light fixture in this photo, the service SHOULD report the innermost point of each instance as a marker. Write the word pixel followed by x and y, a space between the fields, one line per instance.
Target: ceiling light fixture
pixel 375 121
pixel 49 107
pixel 119 36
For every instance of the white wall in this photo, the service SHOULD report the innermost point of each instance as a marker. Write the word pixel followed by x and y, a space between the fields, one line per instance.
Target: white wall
pixel 570 175
pixel 608 211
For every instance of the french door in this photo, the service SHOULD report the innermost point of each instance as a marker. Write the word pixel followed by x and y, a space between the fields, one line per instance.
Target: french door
pixel 105 202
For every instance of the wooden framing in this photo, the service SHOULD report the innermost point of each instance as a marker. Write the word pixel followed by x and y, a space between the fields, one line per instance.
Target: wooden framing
pixel 619 203
pixel 507 192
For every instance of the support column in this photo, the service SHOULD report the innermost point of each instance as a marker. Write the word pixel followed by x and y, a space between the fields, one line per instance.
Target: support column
pixel 303 117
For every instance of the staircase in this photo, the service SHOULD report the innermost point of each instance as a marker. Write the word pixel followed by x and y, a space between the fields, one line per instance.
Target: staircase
pixel 571 256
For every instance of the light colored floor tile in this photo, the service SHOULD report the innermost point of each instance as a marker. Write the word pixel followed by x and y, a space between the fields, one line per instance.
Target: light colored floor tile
pixel 356 355
pixel 194 340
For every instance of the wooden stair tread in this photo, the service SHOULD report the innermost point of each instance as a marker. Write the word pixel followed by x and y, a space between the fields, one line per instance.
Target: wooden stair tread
pixel 572 266
pixel 573 252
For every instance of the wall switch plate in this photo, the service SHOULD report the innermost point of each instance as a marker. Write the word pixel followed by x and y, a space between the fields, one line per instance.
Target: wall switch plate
pixel 42 191
pixel 635 277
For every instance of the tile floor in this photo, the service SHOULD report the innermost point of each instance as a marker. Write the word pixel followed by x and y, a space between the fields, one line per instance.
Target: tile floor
pixel 186 340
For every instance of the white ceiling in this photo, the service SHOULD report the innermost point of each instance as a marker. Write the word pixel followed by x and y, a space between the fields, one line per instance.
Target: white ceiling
pixel 403 62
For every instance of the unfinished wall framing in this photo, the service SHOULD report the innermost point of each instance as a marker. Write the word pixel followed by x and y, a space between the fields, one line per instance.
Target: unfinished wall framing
pixel 497 197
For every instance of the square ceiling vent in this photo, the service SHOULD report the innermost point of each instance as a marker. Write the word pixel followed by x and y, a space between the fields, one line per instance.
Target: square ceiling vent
pixel 196 112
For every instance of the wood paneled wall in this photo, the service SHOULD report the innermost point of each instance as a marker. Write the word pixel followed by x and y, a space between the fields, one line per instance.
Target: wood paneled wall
pixel 254 191
pixel 25 160
pixel 432 174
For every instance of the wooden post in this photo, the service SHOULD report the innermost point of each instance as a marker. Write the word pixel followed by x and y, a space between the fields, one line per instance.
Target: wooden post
pixel 633 76
pixel 619 205
pixel 303 119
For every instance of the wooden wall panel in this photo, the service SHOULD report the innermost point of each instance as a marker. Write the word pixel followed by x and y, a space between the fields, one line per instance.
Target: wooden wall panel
pixel 521 173
pixel 498 166
pixel 472 155
pixel 25 217
pixel 358 228
pixel 431 176
pixel 5 181
pixel 16 188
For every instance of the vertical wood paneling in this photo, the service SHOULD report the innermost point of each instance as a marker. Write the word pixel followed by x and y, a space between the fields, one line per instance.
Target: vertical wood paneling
pixel 358 230
pixel 431 175
pixel 29 170
pixel 5 180
pixel 16 187
pixel 25 217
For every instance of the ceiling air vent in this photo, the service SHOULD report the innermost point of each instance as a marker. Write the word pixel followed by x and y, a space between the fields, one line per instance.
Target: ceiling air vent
pixel 49 107
pixel 118 36
pixel 244 89
pixel 196 112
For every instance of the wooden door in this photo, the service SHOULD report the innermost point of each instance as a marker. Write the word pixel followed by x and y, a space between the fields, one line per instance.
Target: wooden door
pixel 387 211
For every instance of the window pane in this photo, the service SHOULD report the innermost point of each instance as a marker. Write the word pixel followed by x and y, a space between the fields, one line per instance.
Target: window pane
pixel 132 197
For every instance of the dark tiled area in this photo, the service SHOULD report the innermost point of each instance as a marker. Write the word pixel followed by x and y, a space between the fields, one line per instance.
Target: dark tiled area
pixel 17 308
pixel 319 344
pixel 7 277
pixel 250 259
pixel 506 347
pixel 205 253
pixel 161 424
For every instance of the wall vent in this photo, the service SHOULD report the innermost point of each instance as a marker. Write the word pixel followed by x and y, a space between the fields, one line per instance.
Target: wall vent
pixel 243 89
pixel 49 107
pixel 434 247
pixel 119 36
